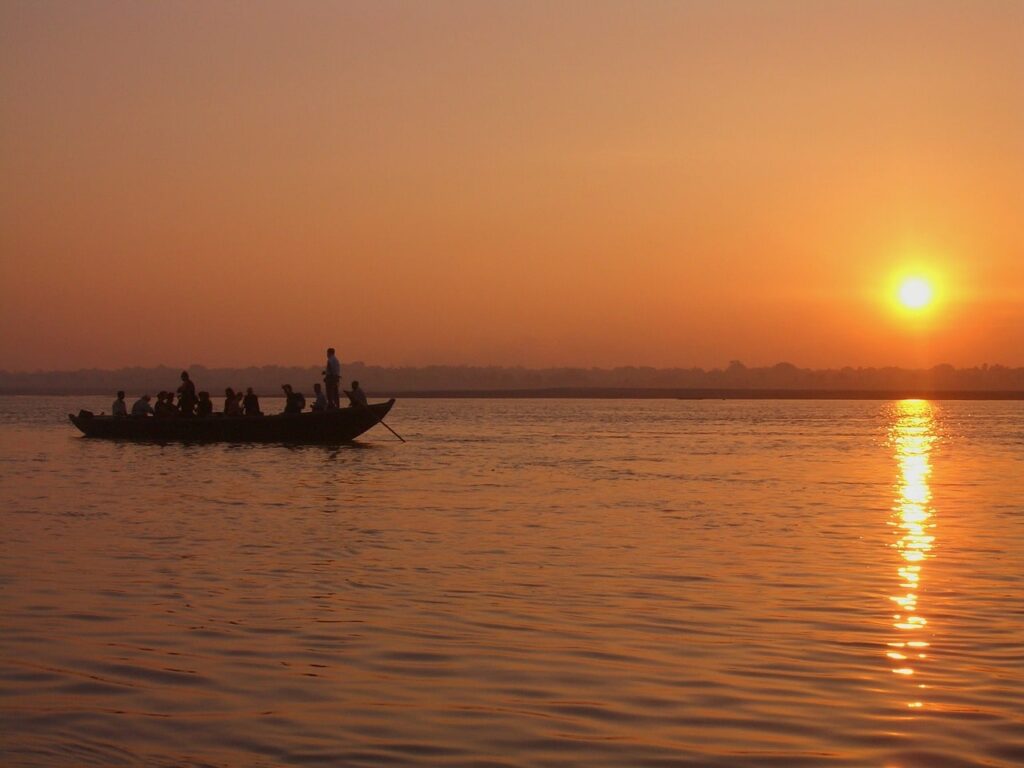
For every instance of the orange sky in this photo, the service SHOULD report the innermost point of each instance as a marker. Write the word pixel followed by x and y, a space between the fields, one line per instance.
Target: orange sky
pixel 668 184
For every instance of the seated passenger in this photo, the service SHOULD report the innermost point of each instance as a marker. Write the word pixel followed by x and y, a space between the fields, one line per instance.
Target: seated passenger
pixel 141 407
pixel 232 406
pixel 187 395
pixel 294 402
pixel 120 407
pixel 251 403
pixel 164 405
pixel 204 407
pixel 321 401
pixel 357 397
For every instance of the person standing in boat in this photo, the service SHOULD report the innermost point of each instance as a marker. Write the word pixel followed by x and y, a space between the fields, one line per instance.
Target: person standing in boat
pixel 120 407
pixel 332 378
pixel 187 396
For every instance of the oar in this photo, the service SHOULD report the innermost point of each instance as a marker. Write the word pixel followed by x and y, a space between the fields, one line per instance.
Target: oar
pixel 379 421
pixel 391 430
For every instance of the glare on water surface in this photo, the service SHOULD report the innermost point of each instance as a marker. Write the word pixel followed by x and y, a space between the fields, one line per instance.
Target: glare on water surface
pixel 736 584
pixel 912 436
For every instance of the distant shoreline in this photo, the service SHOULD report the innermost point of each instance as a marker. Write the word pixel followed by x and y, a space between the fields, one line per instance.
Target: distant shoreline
pixel 735 381
pixel 641 393
pixel 645 393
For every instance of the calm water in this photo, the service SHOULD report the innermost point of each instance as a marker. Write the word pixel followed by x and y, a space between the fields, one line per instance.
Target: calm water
pixel 524 583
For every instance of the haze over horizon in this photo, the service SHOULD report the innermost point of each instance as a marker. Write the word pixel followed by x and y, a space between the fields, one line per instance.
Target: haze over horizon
pixel 585 184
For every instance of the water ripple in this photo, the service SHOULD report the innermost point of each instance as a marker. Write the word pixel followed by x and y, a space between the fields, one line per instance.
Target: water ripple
pixel 529 583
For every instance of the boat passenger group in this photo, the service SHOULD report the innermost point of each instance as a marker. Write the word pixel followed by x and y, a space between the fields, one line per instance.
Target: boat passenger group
pixel 193 404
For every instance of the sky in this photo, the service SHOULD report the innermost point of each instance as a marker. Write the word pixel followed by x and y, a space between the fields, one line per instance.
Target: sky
pixel 671 184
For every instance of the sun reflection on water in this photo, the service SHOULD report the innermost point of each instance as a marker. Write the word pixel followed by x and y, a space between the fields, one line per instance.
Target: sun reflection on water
pixel 912 436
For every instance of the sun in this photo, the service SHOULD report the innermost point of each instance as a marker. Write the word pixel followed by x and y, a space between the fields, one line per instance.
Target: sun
pixel 915 293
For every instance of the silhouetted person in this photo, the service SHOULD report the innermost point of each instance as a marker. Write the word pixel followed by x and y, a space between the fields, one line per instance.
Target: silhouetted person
pixel 251 403
pixel 232 404
pixel 294 401
pixel 320 403
pixel 187 399
pixel 165 405
pixel 332 378
pixel 204 407
pixel 120 407
pixel 357 396
pixel 141 407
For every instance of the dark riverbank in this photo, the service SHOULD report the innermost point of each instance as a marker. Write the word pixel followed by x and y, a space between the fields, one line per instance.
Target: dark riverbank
pixel 781 381
pixel 612 393
pixel 644 393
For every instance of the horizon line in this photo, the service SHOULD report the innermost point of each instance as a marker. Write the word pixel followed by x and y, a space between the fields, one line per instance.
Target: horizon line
pixel 733 364
pixel 644 393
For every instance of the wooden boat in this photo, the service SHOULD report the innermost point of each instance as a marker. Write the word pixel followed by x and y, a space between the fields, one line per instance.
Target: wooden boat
pixel 340 426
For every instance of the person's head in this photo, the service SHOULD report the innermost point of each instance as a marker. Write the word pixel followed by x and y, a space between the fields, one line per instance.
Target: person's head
pixel 204 395
pixel 355 385
pixel 161 395
pixel 249 391
pixel 120 394
pixel 184 375
pixel 146 398
pixel 330 351
pixel 316 387
pixel 229 392
pixel 287 388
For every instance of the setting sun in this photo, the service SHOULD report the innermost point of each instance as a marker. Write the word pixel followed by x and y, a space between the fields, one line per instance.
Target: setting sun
pixel 915 293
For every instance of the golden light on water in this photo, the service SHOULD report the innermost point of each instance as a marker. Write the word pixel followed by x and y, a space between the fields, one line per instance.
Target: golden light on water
pixel 912 436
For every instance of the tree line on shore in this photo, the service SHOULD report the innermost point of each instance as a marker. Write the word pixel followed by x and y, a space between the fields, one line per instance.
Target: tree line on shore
pixel 381 380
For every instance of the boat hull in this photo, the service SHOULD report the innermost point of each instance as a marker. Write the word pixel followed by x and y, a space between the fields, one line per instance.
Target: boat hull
pixel 340 426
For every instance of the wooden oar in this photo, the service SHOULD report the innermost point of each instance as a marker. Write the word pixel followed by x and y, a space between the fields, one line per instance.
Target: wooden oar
pixel 391 430
pixel 379 421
